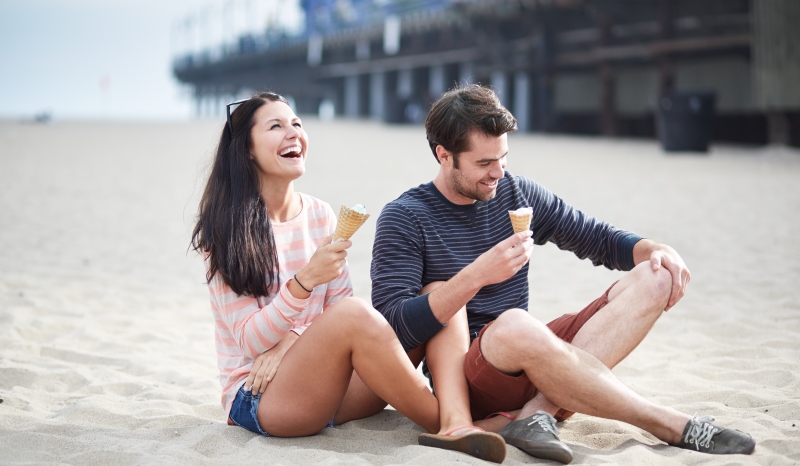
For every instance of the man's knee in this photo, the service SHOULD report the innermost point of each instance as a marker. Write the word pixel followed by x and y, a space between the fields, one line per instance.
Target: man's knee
pixel 655 286
pixel 515 321
pixel 515 336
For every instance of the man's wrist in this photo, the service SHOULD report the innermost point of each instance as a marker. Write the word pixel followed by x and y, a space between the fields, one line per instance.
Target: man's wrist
pixel 471 278
pixel 642 250
pixel 466 284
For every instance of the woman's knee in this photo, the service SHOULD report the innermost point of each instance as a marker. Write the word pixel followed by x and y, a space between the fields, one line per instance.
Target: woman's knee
pixel 351 308
pixel 359 315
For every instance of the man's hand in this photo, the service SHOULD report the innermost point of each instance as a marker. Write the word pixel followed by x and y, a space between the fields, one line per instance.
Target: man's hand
pixel 266 364
pixel 493 266
pixel 661 255
pixel 504 260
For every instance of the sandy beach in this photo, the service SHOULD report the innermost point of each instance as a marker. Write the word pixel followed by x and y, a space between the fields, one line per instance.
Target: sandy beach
pixel 106 338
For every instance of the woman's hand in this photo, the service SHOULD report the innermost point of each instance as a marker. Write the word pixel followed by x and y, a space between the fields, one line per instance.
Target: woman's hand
pixel 326 264
pixel 266 364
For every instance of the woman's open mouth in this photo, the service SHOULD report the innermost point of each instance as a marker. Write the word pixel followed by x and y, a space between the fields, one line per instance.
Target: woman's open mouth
pixel 292 152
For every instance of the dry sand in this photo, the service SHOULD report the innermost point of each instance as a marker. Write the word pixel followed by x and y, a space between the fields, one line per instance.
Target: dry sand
pixel 106 339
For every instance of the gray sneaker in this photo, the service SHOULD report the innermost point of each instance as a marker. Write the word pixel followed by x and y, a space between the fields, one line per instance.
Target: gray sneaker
pixel 701 435
pixel 537 436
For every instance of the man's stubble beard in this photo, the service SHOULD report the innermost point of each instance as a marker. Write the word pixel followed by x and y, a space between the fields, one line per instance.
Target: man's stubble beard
pixel 459 184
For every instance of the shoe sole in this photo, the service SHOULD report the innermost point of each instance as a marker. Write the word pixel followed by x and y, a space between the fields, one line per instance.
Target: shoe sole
pixel 548 451
pixel 745 448
pixel 487 446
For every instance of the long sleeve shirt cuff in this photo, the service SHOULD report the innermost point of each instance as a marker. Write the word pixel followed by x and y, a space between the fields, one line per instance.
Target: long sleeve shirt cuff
pixel 421 323
pixel 627 251
pixel 296 304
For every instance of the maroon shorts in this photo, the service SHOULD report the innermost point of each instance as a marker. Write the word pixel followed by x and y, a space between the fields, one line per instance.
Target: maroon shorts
pixel 491 391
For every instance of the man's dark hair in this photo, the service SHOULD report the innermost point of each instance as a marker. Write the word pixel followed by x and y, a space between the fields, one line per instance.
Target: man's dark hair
pixel 462 110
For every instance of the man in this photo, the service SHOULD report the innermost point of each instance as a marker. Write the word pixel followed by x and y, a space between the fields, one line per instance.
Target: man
pixel 447 247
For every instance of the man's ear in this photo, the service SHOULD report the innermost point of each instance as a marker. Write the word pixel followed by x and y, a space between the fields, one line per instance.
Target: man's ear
pixel 443 154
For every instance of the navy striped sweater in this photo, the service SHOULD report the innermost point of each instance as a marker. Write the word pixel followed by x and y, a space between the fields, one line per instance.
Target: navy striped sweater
pixel 422 237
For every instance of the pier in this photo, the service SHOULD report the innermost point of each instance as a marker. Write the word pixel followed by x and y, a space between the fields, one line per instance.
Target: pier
pixel 595 67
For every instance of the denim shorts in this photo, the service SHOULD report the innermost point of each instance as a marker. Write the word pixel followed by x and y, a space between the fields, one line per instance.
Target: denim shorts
pixel 244 410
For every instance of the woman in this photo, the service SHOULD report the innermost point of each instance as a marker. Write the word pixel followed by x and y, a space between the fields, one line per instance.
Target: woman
pixel 272 271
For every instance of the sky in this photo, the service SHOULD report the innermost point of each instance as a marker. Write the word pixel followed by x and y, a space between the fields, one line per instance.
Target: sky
pixel 112 59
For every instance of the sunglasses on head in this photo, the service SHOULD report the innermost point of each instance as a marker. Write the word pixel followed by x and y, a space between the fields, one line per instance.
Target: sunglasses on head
pixel 271 96
pixel 228 109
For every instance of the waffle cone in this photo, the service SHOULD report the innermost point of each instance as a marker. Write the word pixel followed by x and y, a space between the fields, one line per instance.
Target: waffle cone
pixel 349 221
pixel 520 222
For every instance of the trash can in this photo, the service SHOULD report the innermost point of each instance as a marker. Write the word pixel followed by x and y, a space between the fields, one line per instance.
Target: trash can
pixel 685 120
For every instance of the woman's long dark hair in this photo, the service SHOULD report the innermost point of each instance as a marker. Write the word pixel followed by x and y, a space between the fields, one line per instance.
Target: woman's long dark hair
pixel 233 227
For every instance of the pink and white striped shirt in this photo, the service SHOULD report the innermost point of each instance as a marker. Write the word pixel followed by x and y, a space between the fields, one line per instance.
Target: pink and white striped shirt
pixel 246 326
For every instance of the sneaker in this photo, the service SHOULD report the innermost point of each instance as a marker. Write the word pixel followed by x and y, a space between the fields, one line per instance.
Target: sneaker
pixel 537 436
pixel 701 435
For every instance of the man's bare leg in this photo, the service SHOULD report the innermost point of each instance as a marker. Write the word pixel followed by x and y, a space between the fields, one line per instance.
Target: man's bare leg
pixel 570 377
pixel 594 390
pixel 634 305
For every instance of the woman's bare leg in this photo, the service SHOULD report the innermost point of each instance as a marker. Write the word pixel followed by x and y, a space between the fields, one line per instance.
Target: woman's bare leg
pixel 445 354
pixel 359 402
pixel 316 372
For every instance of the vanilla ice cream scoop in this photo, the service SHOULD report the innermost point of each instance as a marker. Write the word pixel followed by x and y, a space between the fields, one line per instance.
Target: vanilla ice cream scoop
pixel 350 220
pixel 521 218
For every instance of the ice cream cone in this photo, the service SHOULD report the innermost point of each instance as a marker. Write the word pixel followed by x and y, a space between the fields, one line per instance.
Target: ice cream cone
pixel 349 221
pixel 521 218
